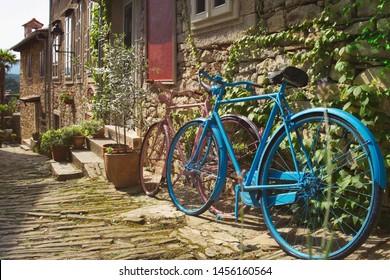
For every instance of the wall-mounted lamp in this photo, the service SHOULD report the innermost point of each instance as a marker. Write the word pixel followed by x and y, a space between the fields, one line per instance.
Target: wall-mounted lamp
pixel 57 34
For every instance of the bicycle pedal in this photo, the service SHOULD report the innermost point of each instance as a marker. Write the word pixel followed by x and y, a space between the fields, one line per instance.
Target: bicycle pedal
pixel 221 217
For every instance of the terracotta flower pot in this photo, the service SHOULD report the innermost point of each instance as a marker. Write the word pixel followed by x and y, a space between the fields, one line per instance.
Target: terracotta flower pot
pixel 99 134
pixel 59 153
pixel 122 169
pixel 116 148
pixel 78 141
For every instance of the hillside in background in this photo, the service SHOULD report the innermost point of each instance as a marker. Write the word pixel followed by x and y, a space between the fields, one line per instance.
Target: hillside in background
pixel 12 83
pixel 15 77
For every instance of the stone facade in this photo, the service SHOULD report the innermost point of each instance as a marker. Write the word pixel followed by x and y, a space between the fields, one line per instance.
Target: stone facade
pixel 33 79
pixel 79 84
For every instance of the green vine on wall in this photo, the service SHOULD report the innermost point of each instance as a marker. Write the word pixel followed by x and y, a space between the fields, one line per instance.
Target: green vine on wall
pixel 186 13
pixel 323 47
pixel 100 26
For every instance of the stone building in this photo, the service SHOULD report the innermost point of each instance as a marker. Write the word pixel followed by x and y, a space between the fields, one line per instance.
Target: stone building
pixel 70 51
pixel 33 78
pixel 342 42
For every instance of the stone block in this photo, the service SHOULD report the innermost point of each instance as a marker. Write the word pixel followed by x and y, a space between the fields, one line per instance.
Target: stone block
pixel 337 13
pixel 370 8
pixel 375 75
pixel 383 24
pixel 270 5
pixel 277 22
pixel 291 3
pixel 302 13
pixel 357 28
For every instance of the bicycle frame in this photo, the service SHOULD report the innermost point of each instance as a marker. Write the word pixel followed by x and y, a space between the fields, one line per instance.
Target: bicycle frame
pixel 249 188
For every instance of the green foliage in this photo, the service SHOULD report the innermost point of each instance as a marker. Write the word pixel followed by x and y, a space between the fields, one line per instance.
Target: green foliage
pixel 91 127
pixel 122 92
pixel 73 130
pixel 3 108
pixel 100 27
pixel 56 138
pixel 322 46
pixel 66 97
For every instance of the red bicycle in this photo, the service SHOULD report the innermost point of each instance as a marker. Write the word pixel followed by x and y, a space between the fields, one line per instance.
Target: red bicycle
pixel 242 133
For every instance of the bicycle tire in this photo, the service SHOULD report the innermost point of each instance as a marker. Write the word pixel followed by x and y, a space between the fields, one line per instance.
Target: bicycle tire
pixel 244 138
pixel 195 182
pixel 153 158
pixel 335 204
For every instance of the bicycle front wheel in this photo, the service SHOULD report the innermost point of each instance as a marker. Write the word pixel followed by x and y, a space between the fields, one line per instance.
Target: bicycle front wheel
pixel 152 159
pixel 325 201
pixel 196 168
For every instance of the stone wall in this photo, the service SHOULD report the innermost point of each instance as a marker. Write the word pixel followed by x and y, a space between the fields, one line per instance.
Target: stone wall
pixel 78 85
pixel 32 115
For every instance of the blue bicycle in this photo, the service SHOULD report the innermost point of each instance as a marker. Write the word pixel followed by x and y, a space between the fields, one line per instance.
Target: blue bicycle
pixel 318 177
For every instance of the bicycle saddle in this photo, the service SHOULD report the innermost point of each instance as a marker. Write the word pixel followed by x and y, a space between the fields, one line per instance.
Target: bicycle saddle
pixel 292 75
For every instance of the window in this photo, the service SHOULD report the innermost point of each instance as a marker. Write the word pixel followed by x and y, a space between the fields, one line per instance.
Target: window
pixel 218 3
pixel 55 58
pixel 209 13
pixel 42 62
pixel 200 6
pixel 78 42
pixel 29 66
pixel 68 47
pixel 87 33
pixel 128 24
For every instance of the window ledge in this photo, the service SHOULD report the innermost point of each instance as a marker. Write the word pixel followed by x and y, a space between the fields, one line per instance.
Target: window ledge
pixel 211 20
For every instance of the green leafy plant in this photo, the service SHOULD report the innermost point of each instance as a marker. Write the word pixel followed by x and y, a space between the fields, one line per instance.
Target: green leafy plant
pixel 91 127
pixel 56 138
pixel 66 97
pixel 122 92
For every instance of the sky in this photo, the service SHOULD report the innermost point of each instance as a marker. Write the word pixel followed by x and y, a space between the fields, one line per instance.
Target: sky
pixel 15 13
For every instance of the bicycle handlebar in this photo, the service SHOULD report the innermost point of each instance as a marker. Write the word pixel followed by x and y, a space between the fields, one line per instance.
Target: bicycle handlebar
pixel 174 93
pixel 218 80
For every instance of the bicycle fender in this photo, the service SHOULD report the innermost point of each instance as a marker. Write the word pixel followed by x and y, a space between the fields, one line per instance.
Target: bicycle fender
pixel 379 170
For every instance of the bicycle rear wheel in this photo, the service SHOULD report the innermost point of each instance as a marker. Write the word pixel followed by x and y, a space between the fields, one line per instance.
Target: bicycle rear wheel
pixel 195 179
pixel 152 159
pixel 328 208
pixel 244 138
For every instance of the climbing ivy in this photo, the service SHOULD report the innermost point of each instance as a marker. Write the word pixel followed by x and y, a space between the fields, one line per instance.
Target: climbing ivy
pixel 100 26
pixel 322 47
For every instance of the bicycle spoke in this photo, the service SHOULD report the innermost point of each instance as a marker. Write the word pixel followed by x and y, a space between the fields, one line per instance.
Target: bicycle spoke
pixel 335 191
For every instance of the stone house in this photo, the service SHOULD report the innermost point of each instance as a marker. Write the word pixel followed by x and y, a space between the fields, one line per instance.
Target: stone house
pixel 240 39
pixel 331 39
pixel 70 51
pixel 34 84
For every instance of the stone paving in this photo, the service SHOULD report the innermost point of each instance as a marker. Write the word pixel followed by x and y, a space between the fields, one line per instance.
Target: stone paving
pixel 42 218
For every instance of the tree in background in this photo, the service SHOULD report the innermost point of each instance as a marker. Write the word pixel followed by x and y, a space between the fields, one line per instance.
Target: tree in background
pixel 7 60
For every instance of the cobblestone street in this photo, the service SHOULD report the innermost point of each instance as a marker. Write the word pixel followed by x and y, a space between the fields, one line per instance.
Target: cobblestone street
pixel 41 218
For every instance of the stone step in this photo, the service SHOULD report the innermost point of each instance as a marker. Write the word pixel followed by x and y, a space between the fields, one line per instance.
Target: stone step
pixel 132 139
pixel 63 171
pixel 95 145
pixel 25 147
pixel 28 144
pixel 88 162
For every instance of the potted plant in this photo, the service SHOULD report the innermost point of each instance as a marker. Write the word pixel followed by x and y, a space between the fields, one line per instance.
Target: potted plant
pixel 93 128
pixel 75 132
pixel 57 142
pixel 66 98
pixel 122 97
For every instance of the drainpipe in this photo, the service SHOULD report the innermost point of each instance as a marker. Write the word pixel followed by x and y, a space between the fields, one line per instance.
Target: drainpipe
pixel 49 62
pixel 47 84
